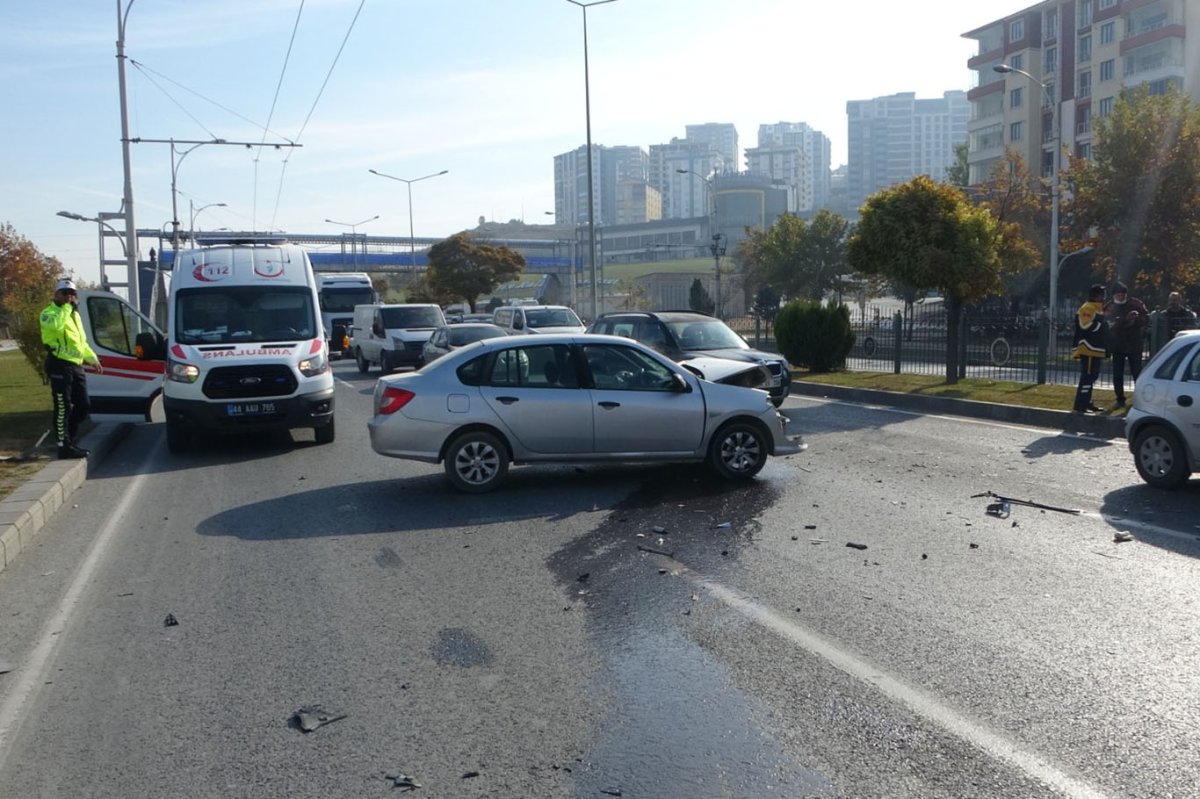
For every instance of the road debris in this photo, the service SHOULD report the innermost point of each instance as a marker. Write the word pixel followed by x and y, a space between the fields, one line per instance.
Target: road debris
pixel 170 621
pixel 611 791
pixel 974 546
pixel 470 775
pixel 402 781
pixel 1000 510
pixel 659 530
pixel 1122 536
pixel 654 551
pixel 810 527
pixel 583 578
pixel 818 541
pixel 310 717
pixel 5 668
pixel 724 525
pixel 853 545
pixel 1026 503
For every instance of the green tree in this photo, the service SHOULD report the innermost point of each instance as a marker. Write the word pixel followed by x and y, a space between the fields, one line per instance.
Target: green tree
pixel 799 260
pixel 1140 192
pixel 381 286
pixel 699 299
pixel 959 173
pixel 27 279
pixel 461 268
pixel 929 236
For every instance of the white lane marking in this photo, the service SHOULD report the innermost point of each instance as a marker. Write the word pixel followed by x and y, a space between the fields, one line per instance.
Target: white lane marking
pixel 1125 523
pixel 992 743
pixel 344 383
pixel 33 671
pixel 962 419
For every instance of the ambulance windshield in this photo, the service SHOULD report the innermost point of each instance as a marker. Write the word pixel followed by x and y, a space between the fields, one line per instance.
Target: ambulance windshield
pixel 219 315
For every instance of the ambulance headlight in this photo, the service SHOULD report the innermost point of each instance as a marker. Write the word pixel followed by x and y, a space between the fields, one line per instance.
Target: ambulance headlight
pixel 314 365
pixel 182 372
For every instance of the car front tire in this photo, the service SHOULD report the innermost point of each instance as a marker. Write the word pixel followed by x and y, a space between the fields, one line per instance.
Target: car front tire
pixel 1160 457
pixel 476 462
pixel 325 433
pixel 179 440
pixel 363 365
pixel 738 451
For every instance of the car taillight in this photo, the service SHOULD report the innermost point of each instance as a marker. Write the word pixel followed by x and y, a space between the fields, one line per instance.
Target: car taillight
pixel 394 399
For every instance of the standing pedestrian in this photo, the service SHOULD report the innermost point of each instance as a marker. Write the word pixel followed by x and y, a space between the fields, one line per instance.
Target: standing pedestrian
pixel 66 351
pixel 1179 316
pixel 1127 321
pixel 1091 348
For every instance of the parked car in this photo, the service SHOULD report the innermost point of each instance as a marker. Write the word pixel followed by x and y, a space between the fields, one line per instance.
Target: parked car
pixel 700 343
pixel 537 319
pixel 569 398
pixel 1163 425
pixel 450 337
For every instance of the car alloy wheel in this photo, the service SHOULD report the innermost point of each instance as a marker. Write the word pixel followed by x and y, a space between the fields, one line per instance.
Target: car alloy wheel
pixel 738 450
pixel 476 462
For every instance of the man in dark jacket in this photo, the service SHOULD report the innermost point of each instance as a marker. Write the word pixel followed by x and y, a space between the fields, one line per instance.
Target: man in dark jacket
pixel 1127 321
pixel 1179 316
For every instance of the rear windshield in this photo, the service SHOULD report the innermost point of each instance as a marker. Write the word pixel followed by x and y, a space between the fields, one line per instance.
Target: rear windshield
pixel 409 318
pixel 552 317
pixel 343 299
pixel 459 336
pixel 216 315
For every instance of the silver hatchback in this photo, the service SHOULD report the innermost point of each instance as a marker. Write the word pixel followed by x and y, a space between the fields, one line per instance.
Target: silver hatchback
pixel 573 398
pixel 1163 426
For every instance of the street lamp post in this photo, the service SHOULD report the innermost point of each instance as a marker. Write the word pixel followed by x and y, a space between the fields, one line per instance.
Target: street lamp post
pixel 82 218
pixel 194 212
pixel 412 241
pixel 587 105
pixel 717 248
pixel 353 235
pixel 131 249
pixel 1055 191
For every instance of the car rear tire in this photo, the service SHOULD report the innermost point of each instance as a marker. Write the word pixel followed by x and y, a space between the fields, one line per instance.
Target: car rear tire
pixel 363 365
pixel 325 433
pixel 738 451
pixel 476 462
pixel 179 440
pixel 1160 457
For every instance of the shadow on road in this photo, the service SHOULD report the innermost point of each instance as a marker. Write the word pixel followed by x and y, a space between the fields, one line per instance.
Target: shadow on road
pixel 1176 511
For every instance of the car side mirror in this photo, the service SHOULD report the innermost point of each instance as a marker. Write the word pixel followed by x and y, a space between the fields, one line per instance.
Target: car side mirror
pixel 150 347
pixel 679 383
pixel 518 323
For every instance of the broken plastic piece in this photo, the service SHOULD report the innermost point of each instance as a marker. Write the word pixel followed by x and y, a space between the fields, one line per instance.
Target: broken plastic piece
pixel 170 621
pixel 660 530
pixel 1121 536
pixel 311 717
pixel 1000 510
pixel 853 545
pixel 470 775
pixel 402 781
pixel 725 525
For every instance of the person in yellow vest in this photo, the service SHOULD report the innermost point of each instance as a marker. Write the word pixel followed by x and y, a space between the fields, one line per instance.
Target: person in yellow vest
pixel 1091 347
pixel 66 351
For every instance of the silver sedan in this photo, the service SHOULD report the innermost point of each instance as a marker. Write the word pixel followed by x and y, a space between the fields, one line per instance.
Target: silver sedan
pixel 569 397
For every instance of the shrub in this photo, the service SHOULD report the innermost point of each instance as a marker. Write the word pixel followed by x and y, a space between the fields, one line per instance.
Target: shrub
pixel 816 336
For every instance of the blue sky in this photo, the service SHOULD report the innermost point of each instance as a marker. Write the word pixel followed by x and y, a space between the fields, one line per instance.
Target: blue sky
pixel 490 90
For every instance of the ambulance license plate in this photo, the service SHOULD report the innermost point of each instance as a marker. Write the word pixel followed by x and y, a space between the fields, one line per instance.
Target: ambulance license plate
pixel 250 408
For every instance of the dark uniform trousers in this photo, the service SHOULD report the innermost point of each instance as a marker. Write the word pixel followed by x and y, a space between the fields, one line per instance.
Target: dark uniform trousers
pixel 68 389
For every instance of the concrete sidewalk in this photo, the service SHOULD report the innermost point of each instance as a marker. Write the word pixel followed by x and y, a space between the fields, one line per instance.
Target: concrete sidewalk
pixel 25 512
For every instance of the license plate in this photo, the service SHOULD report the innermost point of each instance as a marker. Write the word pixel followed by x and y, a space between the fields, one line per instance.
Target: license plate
pixel 250 408
pixel 774 382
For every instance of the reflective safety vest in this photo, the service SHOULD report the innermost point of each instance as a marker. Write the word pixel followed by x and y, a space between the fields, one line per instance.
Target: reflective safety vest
pixel 62 333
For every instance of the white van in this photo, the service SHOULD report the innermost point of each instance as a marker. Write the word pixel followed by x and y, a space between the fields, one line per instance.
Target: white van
pixel 392 335
pixel 131 350
pixel 537 319
pixel 339 292
pixel 245 346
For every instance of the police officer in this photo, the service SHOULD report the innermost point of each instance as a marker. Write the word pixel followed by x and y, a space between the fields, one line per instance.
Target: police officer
pixel 66 351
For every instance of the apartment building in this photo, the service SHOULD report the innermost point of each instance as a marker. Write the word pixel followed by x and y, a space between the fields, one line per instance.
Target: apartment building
pixel 1066 62
pixel 893 139
pixel 813 182
pixel 720 137
pixel 678 170
pixel 618 177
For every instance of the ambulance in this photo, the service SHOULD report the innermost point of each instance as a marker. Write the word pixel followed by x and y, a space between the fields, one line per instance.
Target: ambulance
pixel 246 348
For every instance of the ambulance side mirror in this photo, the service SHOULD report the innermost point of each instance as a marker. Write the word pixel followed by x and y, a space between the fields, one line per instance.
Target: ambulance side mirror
pixel 150 347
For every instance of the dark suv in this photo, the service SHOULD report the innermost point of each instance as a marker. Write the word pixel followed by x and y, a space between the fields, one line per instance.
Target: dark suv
pixel 686 335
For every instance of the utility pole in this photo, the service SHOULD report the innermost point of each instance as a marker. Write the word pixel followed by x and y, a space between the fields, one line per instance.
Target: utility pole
pixel 131 242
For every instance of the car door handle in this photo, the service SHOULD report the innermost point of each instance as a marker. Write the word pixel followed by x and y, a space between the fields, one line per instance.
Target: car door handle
pixel 507 400
pixel 610 404
pixel 1185 400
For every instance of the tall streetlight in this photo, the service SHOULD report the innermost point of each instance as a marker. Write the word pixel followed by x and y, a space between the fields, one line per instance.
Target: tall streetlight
pixel 1055 139
pixel 131 254
pixel 82 218
pixel 412 241
pixel 353 234
pixel 717 248
pixel 194 212
pixel 587 105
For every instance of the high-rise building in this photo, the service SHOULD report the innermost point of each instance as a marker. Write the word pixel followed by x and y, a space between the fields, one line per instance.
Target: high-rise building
pixel 1081 54
pixel 809 174
pixel 718 136
pixel 612 169
pixel 679 170
pixel 893 139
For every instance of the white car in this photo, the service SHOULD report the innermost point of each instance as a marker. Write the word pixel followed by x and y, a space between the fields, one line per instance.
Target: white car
pixel 1163 426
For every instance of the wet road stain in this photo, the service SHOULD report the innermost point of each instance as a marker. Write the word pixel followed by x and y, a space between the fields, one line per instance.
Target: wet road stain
pixel 387 558
pixel 674 722
pixel 458 647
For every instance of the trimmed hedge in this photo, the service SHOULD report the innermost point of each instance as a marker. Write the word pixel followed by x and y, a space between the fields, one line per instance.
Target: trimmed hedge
pixel 814 335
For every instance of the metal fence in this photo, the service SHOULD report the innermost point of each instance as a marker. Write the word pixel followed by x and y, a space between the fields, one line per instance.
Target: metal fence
pixel 1020 349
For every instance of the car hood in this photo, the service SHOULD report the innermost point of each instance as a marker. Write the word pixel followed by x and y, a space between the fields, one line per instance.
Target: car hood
pixel 726 370
pixel 746 356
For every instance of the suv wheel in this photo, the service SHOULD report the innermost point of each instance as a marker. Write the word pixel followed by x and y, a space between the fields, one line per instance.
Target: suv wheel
pixel 1160 457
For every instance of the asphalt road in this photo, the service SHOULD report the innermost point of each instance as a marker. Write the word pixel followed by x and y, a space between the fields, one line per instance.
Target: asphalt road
pixel 521 644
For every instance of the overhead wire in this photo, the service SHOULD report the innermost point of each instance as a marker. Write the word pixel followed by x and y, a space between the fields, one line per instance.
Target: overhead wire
pixel 312 110
pixel 274 100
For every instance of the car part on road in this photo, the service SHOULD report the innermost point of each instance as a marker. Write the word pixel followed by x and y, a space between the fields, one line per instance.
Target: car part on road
pixel 311 717
pixel 1027 503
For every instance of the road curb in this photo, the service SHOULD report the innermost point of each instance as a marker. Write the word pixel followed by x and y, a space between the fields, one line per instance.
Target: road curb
pixel 1101 426
pixel 24 512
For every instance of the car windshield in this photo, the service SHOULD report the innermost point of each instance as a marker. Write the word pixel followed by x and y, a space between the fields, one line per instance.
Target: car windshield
pixel 460 335
pixel 343 300
pixel 706 334
pixel 214 315
pixel 409 318
pixel 552 317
